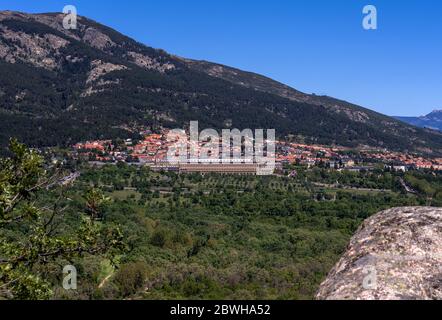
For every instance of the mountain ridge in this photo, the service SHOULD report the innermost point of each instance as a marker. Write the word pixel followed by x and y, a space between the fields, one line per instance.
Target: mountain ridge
pixel 433 120
pixel 94 82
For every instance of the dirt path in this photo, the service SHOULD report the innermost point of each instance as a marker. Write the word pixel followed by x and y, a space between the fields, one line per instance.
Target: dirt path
pixel 103 282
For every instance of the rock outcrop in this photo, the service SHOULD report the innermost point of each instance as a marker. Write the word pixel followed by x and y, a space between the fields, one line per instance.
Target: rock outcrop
pixel 395 255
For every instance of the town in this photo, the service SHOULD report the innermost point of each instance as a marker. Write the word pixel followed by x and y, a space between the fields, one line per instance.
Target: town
pixel 153 148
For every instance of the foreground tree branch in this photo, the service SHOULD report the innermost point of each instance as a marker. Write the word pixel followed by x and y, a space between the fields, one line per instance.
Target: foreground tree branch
pixel 22 176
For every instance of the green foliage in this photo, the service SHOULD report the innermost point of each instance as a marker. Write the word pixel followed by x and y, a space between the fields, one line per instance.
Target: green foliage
pixel 28 239
pixel 95 201
pixel 54 109
pixel 236 237
pixel 191 236
pixel 130 278
pixel 159 238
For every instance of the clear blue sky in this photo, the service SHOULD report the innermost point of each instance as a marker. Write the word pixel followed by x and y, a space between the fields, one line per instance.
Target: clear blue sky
pixel 317 46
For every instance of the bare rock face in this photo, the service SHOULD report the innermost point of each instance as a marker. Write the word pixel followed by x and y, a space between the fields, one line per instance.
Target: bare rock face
pixel 395 255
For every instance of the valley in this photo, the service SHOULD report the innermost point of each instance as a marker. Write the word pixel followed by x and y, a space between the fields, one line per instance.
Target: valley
pixel 189 236
pixel 96 179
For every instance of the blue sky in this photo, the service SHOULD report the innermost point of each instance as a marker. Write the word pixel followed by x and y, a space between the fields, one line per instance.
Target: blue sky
pixel 316 46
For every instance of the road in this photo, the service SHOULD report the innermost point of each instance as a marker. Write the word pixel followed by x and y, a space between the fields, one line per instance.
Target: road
pixel 333 186
pixel 406 187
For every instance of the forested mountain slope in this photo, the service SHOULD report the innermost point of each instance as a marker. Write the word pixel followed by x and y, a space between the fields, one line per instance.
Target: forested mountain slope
pixel 59 86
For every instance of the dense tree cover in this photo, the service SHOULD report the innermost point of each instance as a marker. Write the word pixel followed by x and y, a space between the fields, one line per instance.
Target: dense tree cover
pixel 428 185
pixel 376 179
pixel 180 236
pixel 193 236
pixel 228 237
pixel 31 244
pixel 44 107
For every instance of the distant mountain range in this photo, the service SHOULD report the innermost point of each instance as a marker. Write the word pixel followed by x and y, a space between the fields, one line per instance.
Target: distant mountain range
pixel 432 120
pixel 61 86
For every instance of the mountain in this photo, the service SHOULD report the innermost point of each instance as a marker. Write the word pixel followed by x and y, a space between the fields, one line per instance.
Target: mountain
pixel 432 120
pixel 60 86
pixel 395 255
